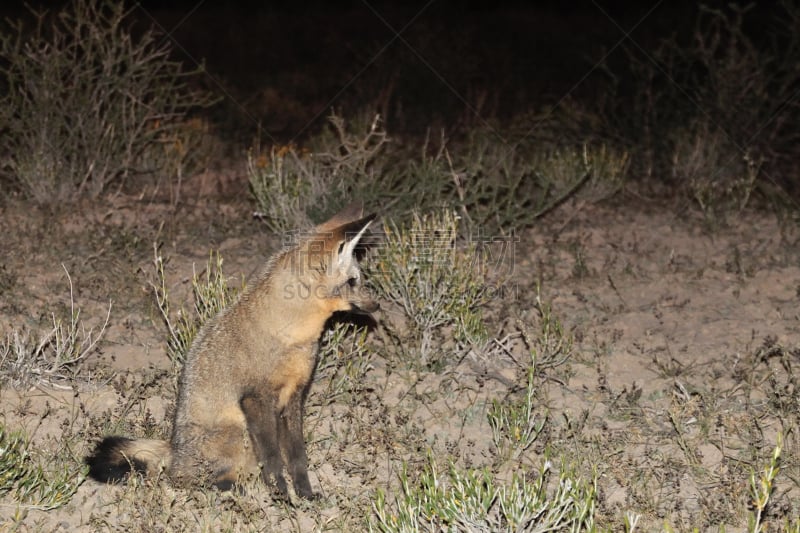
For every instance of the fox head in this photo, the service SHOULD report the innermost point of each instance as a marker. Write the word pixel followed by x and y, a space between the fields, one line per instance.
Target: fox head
pixel 324 265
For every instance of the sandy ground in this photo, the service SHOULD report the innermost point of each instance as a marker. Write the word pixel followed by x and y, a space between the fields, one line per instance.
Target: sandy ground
pixel 670 386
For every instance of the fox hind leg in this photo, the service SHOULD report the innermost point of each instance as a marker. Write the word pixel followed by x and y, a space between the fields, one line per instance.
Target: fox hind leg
pixel 232 460
pixel 214 453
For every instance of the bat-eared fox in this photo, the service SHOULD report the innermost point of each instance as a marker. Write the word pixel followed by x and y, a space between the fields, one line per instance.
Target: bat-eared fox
pixel 245 377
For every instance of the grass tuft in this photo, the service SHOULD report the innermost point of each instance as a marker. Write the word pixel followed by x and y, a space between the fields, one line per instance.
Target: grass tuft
pixel 53 357
pixel 343 361
pixel 474 500
pixel 34 481
pixel 436 283
pixel 211 294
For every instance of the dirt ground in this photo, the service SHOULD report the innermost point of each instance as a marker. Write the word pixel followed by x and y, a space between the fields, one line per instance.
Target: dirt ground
pixel 680 379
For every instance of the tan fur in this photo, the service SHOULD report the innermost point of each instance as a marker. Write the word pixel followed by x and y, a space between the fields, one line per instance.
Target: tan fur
pixel 148 451
pixel 245 377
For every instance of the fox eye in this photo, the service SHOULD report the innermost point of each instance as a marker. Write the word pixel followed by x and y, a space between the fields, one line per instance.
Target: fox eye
pixel 352 281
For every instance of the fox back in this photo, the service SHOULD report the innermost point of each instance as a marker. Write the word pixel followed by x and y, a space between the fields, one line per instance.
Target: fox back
pixel 246 375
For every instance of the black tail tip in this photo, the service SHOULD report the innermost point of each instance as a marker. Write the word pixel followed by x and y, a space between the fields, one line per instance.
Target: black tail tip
pixel 108 462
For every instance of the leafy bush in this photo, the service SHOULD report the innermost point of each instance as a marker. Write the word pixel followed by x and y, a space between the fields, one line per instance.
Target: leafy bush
pixel 500 186
pixel 761 488
pixel 293 187
pixel 496 187
pixel 516 425
pixel 343 361
pixel 436 284
pixel 86 105
pixel 33 481
pixel 474 500
pixel 517 422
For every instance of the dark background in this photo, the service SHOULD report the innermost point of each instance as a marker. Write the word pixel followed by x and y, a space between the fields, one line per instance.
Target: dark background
pixel 281 67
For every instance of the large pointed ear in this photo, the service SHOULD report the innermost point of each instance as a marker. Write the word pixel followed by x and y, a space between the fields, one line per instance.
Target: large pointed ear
pixel 348 237
pixel 353 212
pixel 333 247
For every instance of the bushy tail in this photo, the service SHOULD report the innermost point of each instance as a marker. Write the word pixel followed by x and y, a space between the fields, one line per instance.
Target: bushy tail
pixel 116 457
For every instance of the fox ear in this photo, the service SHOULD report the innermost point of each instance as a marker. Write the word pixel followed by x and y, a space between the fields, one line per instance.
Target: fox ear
pixel 353 211
pixel 348 237
pixel 334 242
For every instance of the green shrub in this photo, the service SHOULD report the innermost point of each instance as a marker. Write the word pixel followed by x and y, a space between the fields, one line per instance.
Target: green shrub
pixel 550 346
pixel 709 167
pixel 502 186
pixel 343 361
pixel 761 488
pixel 474 500
pixel 283 185
pixel 86 105
pixel 293 187
pixel 516 424
pixel 35 481
pixel 496 187
pixel 436 283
